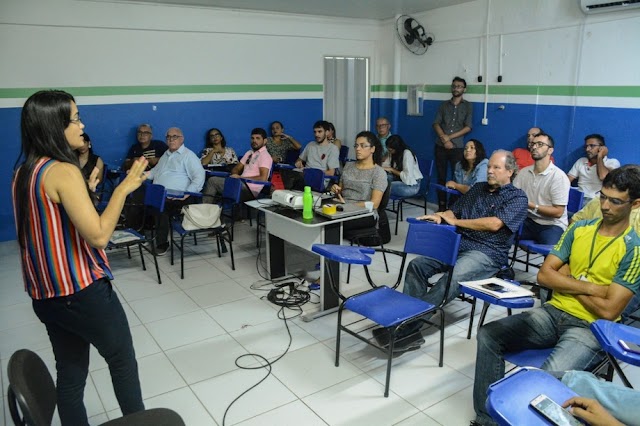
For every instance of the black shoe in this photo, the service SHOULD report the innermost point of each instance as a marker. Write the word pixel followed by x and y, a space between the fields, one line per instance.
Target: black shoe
pixel 381 334
pixel 223 246
pixel 407 336
pixel 409 343
pixel 161 249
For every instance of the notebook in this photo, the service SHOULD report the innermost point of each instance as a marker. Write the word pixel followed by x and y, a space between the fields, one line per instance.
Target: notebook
pixel 348 209
pixel 497 288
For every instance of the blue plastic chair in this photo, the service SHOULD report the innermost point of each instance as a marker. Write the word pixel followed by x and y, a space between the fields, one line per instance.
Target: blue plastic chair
pixel 344 154
pixel 422 194
pixel 508 400
pixel 154 198
pixel 221 232
pixel 609 335
pixel 397 202
pixel 314 178
pixel 512 303
pixel 383 305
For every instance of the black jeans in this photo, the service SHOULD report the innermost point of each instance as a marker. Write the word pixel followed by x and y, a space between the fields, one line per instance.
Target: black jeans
pixel 446 157
pixel 91 316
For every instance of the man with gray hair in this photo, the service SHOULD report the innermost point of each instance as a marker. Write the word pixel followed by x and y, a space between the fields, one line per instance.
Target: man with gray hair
pixel 488 217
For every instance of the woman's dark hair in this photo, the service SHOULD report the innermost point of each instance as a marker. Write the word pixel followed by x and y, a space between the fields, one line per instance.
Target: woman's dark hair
pixel 397 144
pixel 86 139
pixel 332 128
pixel 45 116
pixel 481 154
pixel 207 141
pixel 374 141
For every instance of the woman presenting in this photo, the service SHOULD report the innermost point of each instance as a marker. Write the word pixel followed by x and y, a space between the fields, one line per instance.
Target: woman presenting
pixel 65 269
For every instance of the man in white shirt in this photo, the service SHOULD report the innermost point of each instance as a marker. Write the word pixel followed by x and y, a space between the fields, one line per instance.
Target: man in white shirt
pixel 547 188
pixel 592 169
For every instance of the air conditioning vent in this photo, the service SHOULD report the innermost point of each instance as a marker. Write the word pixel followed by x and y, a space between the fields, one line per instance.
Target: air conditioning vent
pixel 601 6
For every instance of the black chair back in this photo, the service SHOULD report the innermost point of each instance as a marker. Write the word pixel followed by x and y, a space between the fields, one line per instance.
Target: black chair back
pixel 31 388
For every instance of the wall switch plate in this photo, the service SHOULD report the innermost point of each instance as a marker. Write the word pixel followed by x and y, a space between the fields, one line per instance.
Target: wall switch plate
pixel 485 121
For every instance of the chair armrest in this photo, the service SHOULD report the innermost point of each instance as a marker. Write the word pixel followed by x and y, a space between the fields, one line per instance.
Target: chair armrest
pixel 443 188
pixel 258 182
pixel 218 173
pixel 180 194
pixel 401 254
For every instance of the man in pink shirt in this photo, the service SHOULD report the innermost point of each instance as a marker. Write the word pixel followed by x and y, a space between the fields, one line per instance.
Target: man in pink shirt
pixel 255 164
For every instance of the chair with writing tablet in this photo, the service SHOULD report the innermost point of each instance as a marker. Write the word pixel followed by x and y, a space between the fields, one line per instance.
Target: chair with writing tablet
pixel 386 306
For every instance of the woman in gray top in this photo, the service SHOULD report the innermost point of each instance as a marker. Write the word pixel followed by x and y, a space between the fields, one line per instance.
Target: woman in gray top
pixel 364 179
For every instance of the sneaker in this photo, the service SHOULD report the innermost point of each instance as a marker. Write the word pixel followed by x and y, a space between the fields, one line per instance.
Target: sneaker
pixel 409 343
pixel 161 249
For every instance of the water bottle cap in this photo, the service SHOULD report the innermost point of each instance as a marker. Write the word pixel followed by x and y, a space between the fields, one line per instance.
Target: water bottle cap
pixel 307 189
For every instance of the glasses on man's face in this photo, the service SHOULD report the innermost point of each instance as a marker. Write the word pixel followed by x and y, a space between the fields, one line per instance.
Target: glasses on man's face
pixel 75 120
pixel 614 201
pixel 382 125
pixel 144 133
pixel 361 146
pixel 537 145
pixel 171 138
pixel 591 146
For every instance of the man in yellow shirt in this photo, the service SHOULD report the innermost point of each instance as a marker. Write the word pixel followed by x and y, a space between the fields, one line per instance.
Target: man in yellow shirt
pixel 604 255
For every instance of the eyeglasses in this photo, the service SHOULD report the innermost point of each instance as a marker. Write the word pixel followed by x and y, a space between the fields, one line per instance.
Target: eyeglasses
pixel 173 137
pixel 591 146
pixel 144 133
pixel 356 146
pixel 249 158
pixel 537 144
pixel 214 135
pixel 75 120
pixel 614 201
pixel 383 125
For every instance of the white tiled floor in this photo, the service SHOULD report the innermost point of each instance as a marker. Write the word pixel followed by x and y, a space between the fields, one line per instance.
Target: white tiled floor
pixel 188 334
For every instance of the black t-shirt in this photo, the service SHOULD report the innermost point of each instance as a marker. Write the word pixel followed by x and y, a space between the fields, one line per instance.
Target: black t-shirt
pixel 154 150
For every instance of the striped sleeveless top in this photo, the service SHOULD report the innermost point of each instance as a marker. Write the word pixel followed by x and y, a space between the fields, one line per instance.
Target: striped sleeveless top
pixel 56 260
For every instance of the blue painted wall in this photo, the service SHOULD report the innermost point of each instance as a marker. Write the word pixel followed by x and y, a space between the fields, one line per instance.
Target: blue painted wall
pixel 113 129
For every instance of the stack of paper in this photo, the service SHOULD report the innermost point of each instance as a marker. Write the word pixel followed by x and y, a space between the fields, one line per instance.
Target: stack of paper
pixel 497 288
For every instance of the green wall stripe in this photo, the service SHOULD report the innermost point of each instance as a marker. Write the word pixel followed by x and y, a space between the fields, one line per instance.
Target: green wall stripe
pixel 604 91
pixel 596 91
pixel 167 90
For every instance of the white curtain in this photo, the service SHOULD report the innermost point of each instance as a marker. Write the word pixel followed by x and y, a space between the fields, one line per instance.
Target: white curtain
pixel 346 97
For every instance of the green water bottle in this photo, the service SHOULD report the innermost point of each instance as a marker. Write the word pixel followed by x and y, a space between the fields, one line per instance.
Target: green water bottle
pixel 307 203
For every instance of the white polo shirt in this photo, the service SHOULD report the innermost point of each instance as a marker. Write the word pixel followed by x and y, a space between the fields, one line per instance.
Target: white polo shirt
pixel 551 187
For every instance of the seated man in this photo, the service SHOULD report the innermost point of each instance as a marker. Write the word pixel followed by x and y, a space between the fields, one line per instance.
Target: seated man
pixel 488 217
pixel 547 188
pixel 255 164
pixel 179 169
pixel 152 150
pixel 590 177
pixel 319 154
pixel 523 155
pixel 604 276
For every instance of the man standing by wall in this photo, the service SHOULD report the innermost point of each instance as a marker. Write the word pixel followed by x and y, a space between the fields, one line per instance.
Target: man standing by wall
pixel 452 122
pixel 547 188
pixel 589 177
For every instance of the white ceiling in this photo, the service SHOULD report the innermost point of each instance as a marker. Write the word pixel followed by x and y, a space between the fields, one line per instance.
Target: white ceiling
pixel 367 9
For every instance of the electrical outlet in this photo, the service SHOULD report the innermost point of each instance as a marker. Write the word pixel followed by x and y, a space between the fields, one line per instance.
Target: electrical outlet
pixel 485 121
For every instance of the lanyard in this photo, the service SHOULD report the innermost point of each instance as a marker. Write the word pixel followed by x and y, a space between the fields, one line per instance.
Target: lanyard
pixel 593 243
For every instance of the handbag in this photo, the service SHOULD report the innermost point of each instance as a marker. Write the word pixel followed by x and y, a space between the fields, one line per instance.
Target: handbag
pixel 201 216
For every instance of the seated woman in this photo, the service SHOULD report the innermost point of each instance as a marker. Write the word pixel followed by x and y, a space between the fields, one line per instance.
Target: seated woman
pixel 90 163
pixel 404 168
pixel 363 180
pixel 279 143
pixel 216 151
pixel 472 169
pixel 331 135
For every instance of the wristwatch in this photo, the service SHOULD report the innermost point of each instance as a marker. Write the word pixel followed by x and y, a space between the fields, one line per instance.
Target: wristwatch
pixel 535 209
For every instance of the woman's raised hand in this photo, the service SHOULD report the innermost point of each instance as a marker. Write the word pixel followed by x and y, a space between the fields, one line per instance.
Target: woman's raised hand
pixel 136 175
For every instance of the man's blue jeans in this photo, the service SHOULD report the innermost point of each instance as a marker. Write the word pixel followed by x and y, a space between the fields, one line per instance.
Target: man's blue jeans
pixel 94 316
pixel 541 234
pixel 471 265
pixel 575 347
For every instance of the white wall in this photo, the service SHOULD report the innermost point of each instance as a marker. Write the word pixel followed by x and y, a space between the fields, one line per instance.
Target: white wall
pixel 82 43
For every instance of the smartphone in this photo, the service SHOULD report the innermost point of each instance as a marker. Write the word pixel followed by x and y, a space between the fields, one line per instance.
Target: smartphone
pixel 629 346
pixel 493 287
pixel 554 412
